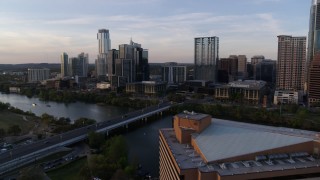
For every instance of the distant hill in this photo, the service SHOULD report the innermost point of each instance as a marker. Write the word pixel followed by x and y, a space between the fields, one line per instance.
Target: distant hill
pixel 24 67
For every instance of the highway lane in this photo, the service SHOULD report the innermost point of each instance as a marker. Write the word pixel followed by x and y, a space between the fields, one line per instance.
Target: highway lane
pixel 21 151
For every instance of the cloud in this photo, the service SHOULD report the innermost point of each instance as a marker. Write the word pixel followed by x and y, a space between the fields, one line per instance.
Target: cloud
pixel 168 38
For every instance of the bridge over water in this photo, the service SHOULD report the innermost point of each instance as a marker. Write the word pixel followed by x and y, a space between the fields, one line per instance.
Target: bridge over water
pixel 26 154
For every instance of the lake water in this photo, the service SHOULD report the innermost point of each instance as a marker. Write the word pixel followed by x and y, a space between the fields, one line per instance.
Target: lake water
pixel 143 143
pixel 72 110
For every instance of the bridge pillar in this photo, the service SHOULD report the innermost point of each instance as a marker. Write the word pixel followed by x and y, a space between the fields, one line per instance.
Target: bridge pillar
pixel 127 126
pixel 107 133
pixel 145 119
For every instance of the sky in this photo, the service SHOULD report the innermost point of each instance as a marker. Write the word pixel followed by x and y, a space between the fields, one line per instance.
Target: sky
pixel 38 31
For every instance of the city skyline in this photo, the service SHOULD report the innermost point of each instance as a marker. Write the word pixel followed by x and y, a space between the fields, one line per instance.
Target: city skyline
pixel 36 31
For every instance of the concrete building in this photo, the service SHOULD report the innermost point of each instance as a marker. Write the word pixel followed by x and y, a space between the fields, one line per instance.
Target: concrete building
pixel 103 85
pixel 314 81
pixel 78 66
pixel 313 40
pixel 242 67
pixel 249 91
pixel 287 97
pixel 146 87
pixel 313 56
pixel 206 55
pixel 101 67
pixel 64 64
pixel 37 75
pixel 201 148
pixel 172 73
pixel 291 62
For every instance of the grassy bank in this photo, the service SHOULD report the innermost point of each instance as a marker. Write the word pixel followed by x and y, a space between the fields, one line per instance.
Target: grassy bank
pixel 8 119
pixel 69 171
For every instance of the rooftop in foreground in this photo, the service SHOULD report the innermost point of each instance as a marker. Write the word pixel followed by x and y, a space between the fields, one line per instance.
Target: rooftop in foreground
pixel 227 139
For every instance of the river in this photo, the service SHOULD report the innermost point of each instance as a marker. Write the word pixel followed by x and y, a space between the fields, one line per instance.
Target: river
pixel 71 110
pixel 143 143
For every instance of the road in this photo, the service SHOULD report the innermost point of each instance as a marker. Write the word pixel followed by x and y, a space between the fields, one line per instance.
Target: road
pixel 26 150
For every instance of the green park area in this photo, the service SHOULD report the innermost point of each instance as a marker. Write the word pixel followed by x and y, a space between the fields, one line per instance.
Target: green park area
pixel 9 119
pixel 69 171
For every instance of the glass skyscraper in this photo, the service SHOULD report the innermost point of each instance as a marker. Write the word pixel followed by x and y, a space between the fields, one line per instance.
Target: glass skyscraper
pixel 206 54
pixel 313 55
pixel 64 64
pixel 104 41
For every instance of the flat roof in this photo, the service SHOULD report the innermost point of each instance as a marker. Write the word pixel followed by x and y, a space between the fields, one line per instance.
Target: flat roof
pixel 187 158
pixel 227 139
pixel 192 115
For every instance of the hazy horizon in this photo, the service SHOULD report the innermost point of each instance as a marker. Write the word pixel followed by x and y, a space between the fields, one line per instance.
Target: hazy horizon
pixel 39 31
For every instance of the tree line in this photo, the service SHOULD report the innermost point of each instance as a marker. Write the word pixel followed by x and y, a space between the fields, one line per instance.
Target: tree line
pixel 291 116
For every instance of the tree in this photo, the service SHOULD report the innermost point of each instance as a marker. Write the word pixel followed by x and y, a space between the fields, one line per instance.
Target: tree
pixel 81 122
pixel 2 133
pixel 14 130
pixel 95 140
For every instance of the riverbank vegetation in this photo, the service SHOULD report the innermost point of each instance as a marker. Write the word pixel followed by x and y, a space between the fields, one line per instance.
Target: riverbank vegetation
pixel 14 122
pixel 60 125
pixel 291 116
pixel 107 98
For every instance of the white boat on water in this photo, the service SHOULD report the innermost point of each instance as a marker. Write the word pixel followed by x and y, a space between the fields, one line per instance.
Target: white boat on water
pixel 34 104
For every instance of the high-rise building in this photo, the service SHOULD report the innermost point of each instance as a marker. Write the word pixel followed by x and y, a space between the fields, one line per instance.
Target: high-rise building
pixel 104 41
pixel 111 62
pixel 227 69
pixel 172 73
pixel 314 81
pixel 104 46
pixel 313 60
pixel 101 67
pixel 265 71
pixel 291 62
pixel 206 55
pixel 36 75
pixel 64 64
pixel 255 60
pixel 79 65
pixel 242 66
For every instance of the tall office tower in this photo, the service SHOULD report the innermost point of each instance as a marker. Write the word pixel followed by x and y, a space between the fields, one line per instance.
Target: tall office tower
pixel 111 62
pixel 242 66
pixel 172 73
pixel 139 57
pixel 206 55
pixel 104 41
pixel 313 60
pixel 255 60
pixel 227 69
pixel 79 65
pixel 291 62
pixel 104 47
pixel 100 67
pixel 36 75
pixel 266 71
pixel 64 64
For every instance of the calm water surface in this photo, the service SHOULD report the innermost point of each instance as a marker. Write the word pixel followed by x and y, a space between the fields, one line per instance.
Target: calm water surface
pixel 143 142
pixel 72 110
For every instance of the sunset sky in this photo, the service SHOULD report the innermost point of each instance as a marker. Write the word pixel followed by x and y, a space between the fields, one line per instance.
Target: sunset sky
pixel 38 31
